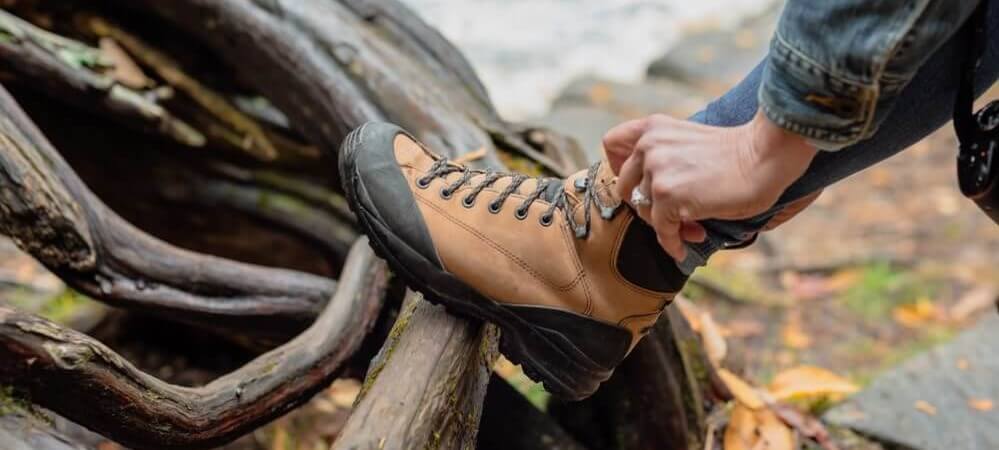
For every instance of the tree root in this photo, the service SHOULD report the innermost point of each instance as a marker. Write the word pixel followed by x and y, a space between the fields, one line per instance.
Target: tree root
pixel 110 396
pixel 48 212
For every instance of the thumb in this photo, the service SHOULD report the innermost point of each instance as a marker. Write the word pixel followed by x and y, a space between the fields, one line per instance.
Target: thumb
pixel 619 142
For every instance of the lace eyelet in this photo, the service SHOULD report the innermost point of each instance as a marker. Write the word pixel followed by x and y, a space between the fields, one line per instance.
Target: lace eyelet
pixel 422 183
pixel 546 220
pixel 520 214
pixel 495 207
pixel 468 201
pixel 446 194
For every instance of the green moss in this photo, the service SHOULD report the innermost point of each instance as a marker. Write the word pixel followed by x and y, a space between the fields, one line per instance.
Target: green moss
pixel 11 402
pixel 883 287
pixel 739 285
pixel 519 164
pixel 393 338
pixel 64 306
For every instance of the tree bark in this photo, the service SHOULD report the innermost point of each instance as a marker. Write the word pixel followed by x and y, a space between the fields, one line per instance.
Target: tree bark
pixel 425 388
pixel 113 398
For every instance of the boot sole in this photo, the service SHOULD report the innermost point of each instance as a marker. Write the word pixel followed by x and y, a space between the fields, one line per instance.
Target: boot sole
pixel 546 355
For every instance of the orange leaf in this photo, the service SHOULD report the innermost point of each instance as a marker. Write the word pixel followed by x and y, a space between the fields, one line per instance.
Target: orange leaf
pixel 926 407
pixel 981 404
pixel 741 431
pixel 344 391
pixel 742 391
pixel 756 430
pixel 473 155
pixel 809 381
pixel 915 315
pixel 793 335
pixel 714 343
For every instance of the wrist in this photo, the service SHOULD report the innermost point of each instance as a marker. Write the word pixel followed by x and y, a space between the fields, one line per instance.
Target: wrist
pixel 773 143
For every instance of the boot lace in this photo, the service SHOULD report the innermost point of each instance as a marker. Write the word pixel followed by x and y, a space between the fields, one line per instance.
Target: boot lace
pixel 549 189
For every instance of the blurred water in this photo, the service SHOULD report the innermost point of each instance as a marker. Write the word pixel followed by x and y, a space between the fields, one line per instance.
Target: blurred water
pixel 525 51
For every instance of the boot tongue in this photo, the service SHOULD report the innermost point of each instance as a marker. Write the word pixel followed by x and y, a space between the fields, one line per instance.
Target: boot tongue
pixel 552 191
pixel 605 183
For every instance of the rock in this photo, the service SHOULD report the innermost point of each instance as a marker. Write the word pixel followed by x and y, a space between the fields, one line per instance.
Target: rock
pixel 588 107
pixel 713 59
pixel 946 399
pixel 586 124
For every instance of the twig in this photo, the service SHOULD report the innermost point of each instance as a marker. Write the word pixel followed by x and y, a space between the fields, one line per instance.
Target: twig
pixel 253 140
pixel 67 70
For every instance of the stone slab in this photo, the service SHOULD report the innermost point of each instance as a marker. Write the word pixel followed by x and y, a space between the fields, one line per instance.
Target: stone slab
pixel 946 399
pixel 715 59
pixel 588 107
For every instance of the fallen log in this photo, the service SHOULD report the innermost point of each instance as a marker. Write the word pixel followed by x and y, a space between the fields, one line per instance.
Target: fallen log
pixel 425 387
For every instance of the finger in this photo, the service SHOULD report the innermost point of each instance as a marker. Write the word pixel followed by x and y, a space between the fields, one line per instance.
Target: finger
pixel 669 240
pixel 630 175
pixel 619 142
pixel 693 232
pixel 668 231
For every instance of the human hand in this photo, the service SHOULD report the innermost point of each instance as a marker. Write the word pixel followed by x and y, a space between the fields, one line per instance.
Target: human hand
pixel 695 172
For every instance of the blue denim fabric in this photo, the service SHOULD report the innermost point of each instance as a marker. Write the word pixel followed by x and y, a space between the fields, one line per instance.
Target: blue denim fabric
pixel 924 105
pixel 836 67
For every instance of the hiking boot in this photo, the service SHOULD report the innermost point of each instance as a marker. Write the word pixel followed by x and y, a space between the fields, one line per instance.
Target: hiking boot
pixel 567 271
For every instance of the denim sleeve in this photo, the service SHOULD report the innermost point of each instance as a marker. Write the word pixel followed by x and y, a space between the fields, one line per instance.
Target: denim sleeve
pixel 836 66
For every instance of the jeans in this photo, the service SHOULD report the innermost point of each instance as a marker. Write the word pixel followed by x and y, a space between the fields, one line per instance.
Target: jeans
pixel 924 106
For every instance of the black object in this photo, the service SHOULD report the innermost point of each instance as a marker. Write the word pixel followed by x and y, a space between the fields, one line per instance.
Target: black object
pixel 977 132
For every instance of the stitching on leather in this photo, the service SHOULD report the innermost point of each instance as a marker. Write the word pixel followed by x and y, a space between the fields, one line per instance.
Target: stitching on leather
pixel 500 248
pixel 570 243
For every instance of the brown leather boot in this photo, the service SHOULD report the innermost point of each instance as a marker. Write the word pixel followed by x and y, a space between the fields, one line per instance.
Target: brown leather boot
pixel 569 274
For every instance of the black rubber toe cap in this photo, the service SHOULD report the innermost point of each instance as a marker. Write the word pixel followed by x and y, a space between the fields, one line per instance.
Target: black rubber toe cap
pixel 369 170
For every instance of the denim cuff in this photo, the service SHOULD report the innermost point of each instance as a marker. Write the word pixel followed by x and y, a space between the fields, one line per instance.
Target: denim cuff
pixel 805 98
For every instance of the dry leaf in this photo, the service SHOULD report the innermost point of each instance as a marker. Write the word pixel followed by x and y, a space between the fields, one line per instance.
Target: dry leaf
pixel 978 299
pixel 741 390
pixel 600 94
pixel 808 382
pixel 473 155
pixel 926 407
pixel 756 430
pixel 915 315
pixel 714 344
pixel 741 431
pixel 793 335
pixel 805 424
pixel 742 328
pixel 124 69
pixel 505 368
pixel 806 287
pixel 981 404
pixel 843 280
pixel 963 364
pixel 344 391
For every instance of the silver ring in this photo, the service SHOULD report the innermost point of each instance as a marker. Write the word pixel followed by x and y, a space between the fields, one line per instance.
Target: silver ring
pixel 638 198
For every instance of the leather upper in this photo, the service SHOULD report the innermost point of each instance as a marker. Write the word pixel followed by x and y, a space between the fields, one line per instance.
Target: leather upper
pixel 519 261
